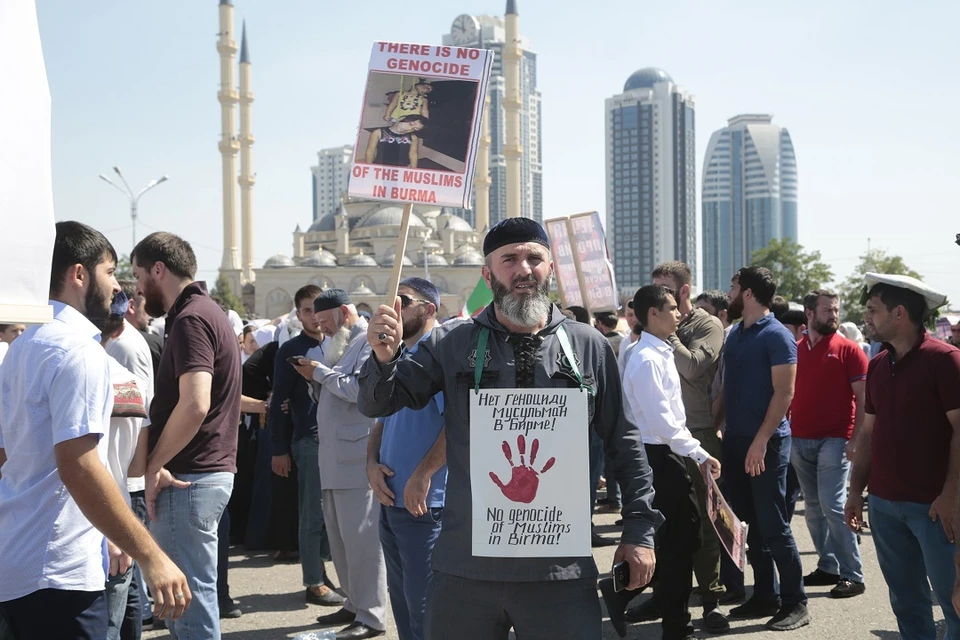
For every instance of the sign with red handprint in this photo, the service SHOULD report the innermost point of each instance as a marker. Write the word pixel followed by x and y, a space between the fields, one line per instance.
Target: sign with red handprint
pixel 529 460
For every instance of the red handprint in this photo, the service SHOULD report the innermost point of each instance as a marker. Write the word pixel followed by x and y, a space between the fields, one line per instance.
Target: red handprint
pixel 524 480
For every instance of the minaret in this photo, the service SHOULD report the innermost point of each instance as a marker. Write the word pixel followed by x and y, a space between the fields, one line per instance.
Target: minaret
pixel 247 177
pixel 229 146
pixel 511 107
pixel 481 177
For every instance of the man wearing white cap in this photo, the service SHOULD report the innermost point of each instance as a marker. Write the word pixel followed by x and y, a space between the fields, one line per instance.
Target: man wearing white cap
pixel 908 452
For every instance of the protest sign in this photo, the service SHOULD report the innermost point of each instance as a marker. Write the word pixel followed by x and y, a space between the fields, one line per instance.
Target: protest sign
pixel 420 124
pixel 732 532
pixel 529 473
pixel 590 248
pixel 26 188
pixel 564 262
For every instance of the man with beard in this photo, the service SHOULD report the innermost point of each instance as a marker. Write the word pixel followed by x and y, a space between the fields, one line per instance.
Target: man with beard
pixel 56 493
pixel 908 453
pixel 194 419
pixel 827 411
pixel 350 511
pixel 301 447
pixel 696 345
pixel 760 358
pixel 530 344
pixel 406 466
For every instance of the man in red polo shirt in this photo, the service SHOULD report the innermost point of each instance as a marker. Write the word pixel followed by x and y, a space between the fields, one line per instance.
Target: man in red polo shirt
pixel 909 452
pixel 827 406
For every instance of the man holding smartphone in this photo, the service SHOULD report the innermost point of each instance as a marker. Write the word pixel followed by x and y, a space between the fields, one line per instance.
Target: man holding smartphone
pixel 651 386
pixel 300 448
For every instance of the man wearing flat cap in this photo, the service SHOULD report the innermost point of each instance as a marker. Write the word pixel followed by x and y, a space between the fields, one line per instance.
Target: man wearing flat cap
pixel 350 511
pixel 521 346
pixel 908 453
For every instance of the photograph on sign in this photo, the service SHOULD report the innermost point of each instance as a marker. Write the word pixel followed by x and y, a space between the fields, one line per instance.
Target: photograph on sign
pixel 420 124
pixel 564 265
pixel 732 532
pixel 529 473
pixel 590 244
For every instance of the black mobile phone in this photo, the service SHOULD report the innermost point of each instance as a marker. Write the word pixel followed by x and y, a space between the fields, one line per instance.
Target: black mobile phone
pixel 621 576
pixel 295 360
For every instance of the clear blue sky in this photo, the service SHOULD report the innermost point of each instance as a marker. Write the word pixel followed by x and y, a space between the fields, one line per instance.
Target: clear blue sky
pixel 868 90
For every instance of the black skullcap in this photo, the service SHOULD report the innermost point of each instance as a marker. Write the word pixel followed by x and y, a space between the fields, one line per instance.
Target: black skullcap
pixel 514 231
pixel 330 299
pixel 426 288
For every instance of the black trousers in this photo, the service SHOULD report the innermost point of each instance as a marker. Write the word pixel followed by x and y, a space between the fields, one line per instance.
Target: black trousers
pixel 54 613
pixel 677 540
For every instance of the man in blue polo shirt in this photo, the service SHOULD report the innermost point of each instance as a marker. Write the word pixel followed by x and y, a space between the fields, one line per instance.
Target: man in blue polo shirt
pixel 406 466
pixel 760 363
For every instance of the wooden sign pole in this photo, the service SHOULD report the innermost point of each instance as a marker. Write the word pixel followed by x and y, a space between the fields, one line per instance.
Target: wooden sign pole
pixel 394 283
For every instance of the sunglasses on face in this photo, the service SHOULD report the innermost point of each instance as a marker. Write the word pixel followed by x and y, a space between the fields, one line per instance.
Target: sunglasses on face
pixel 406 301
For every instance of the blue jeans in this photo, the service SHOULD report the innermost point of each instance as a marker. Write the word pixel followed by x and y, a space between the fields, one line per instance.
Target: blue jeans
pixel 761 502
pixel 186 530
pixel 823 470
pixel 117 590
pixel 407 543
pixel 314 546
pixel 911 549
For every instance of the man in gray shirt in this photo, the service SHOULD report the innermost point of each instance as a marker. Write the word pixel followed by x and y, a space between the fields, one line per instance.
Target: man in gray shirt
pixel 483 597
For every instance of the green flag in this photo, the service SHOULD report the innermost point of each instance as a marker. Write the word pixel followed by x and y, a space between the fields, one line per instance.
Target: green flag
pixel 478 300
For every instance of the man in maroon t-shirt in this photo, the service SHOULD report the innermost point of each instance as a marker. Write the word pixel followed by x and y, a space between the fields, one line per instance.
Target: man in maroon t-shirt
pixel 194 418
pixel 909 452
pixel 827 410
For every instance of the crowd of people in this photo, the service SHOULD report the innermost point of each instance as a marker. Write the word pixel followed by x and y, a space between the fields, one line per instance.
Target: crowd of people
pixel 146 429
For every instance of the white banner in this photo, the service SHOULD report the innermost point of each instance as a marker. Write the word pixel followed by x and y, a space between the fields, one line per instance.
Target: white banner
pixel 420 124
pixel 530 473
pixel 26 191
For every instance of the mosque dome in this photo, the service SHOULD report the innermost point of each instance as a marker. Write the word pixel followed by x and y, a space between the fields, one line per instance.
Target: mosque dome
pixel 321 258
pixel 361 260
pixel 326 223
pixel 391 257
pixel 453 222
pixel 389 216
pixel 278 261
pixel 468 258
pixel 363 290
pixel 646 78
pixel 434 260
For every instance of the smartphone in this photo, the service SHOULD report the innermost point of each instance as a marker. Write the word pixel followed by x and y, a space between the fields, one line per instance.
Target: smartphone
pixel 621 576
pixel 294 360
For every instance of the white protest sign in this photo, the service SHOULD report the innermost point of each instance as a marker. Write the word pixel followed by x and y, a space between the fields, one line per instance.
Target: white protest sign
pixel 420 124
pixel 530 473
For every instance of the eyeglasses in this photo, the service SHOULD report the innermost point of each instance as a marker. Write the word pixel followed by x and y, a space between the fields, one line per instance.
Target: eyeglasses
pixel 405 300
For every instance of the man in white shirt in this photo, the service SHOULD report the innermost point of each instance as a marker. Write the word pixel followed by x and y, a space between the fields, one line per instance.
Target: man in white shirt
pixel 56 494
pixel 651 387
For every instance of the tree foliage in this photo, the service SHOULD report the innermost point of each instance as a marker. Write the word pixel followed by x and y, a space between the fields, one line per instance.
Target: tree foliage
pixel 876 261
pixel 223 294
pixel 797 272
pixel 124 269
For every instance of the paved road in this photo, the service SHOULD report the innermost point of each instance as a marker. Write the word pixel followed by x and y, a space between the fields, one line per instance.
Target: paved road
pixel 273 605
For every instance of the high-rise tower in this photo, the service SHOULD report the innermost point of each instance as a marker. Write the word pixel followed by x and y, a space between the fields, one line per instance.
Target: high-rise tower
pixel 651 177
pixel 509 51
pixel 247 177
pixel 749 194
pixel 229 145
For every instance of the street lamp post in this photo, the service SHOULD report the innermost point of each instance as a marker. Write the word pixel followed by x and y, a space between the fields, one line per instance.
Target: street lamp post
pixel 134 197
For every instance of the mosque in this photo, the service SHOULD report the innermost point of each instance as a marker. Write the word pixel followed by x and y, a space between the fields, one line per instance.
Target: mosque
pixel 354 248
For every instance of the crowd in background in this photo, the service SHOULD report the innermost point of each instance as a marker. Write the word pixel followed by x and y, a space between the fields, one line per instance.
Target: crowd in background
pixel 148 414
